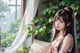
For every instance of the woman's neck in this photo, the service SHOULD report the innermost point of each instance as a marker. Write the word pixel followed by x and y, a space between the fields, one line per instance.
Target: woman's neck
pixel 61 32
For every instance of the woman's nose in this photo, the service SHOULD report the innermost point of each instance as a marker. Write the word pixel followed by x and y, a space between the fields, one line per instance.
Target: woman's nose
pixel 58 22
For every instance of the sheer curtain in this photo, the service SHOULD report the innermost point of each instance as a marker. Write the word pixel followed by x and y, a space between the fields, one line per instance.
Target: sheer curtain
pixel 29 14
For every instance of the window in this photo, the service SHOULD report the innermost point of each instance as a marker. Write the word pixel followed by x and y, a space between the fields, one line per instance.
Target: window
pixel 15 6
pixel 10 14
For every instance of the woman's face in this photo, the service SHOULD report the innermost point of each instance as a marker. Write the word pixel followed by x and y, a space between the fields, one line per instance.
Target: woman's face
pixel 59 24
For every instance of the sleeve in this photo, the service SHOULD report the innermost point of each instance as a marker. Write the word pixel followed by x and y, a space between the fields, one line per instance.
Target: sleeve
pixel 61 51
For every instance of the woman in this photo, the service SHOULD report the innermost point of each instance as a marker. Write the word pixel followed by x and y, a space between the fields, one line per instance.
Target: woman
pixel 63 32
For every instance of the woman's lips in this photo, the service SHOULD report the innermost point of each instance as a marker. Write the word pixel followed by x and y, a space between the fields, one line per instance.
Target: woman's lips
pixel 57 27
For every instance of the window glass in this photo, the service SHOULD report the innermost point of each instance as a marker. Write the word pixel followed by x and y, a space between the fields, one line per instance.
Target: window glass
pixel 10 14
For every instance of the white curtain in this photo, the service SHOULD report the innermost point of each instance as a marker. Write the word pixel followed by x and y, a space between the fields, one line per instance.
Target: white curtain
pixel 30 12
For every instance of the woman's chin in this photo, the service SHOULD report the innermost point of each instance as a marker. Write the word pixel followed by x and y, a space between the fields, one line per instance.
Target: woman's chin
pixel 57 28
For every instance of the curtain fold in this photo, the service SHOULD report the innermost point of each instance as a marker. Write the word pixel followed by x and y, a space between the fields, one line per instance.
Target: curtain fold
pixel 29 14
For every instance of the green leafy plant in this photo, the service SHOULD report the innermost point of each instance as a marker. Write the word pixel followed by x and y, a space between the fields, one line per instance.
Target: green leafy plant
pixel 7 41
pixel 25 50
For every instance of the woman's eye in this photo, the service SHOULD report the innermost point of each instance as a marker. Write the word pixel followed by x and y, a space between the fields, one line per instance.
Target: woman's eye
pixel 56 20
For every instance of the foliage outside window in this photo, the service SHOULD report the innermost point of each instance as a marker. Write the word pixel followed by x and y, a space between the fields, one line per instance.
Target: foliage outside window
pixel 9 21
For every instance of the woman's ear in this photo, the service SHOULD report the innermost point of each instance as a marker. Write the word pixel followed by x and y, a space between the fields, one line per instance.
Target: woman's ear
pixel 68 24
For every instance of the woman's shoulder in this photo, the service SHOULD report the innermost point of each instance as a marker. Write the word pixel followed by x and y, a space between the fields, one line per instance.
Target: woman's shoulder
pixel 68 43
pixel 69 36
pixel 68 39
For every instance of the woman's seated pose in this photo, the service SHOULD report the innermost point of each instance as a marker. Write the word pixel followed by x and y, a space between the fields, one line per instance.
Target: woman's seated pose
pixel 63 40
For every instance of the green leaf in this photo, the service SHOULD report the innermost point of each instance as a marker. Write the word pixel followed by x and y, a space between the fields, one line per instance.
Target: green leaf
pixel 44 27
pixel 62 3
pixel 25 27
pixel 49 11
pixel 29 28
pixel 50 19
pixel 50 4
pixel 42 31
pixel 54 7
pixel 28 36
pixel 37 27
pixel 77 7
pixel 53 11
pixel 19 51
pixel 75 13
pixel 36 32
pixel 44 12
pixel 25 48
pixel 72 6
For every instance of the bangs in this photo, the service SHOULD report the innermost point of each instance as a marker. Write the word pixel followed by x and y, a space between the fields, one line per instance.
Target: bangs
pixel 57 17
pixel 62 16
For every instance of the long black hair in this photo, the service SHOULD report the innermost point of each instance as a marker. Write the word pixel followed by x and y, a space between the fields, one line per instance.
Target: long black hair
pixel 66 15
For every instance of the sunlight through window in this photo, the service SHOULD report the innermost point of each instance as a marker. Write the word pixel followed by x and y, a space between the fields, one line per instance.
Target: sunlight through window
pixel 10 14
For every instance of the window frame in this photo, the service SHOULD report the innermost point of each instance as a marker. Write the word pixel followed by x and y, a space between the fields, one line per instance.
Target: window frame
pixel 16 6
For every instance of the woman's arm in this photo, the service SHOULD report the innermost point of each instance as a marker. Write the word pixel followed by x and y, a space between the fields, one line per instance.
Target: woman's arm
pixel 67 44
